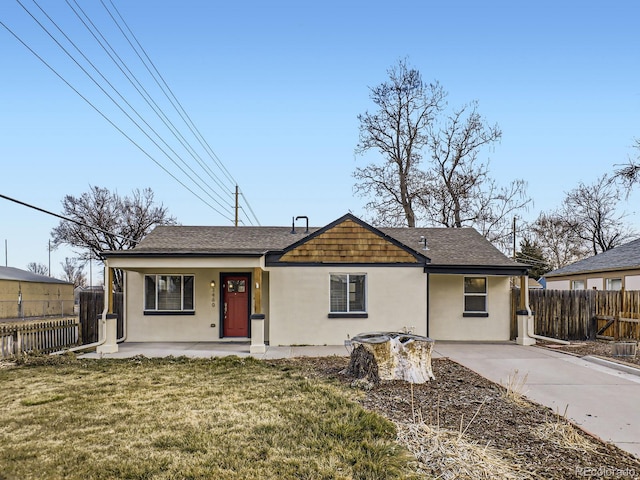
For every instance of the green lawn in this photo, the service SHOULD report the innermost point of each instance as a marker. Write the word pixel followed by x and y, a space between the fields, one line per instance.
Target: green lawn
pixel 180 418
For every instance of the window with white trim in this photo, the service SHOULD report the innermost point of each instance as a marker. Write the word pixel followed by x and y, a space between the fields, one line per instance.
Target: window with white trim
pixel 348 293
pixel 577 285
pixel 614 283
pixel 168 293
pixel 475 295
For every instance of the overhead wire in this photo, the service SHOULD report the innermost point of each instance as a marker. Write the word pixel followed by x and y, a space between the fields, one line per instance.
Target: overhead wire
pixel 137 85
pixel 190 124
pixel 159 79
pixel 151 157
pixel 76 222
pixel 180 110
pixel 118 93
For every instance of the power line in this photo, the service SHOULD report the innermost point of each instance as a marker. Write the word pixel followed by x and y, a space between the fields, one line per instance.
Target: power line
pixel 110 121
pixel 190 123
pixel 157 109
pixel 68 219
pixel 137 85
pixel 117 104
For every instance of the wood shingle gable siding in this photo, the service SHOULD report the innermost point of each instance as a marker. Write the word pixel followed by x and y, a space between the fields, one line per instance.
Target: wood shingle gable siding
pixel 348 242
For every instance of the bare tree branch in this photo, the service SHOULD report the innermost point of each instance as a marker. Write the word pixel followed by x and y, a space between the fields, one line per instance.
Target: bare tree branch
pixel 121 221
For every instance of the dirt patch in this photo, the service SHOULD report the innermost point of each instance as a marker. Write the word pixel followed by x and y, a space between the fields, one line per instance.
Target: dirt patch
pixel 532 440
pixel 599 348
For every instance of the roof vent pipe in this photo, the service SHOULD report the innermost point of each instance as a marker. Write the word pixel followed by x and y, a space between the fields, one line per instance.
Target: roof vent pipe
pixel 293 225
pixel 307 225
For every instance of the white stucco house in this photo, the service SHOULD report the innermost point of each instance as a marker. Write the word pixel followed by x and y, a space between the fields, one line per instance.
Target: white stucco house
pixel 314 286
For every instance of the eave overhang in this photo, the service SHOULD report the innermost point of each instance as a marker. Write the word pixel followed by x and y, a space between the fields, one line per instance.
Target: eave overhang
pixel 506 270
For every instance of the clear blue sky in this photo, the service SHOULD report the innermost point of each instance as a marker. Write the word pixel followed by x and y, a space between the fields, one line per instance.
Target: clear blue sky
pixel 275 88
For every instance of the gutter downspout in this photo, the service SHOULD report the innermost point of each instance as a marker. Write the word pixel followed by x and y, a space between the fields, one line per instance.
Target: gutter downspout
pixel 124 301
pixel 524 308
pixel 428 302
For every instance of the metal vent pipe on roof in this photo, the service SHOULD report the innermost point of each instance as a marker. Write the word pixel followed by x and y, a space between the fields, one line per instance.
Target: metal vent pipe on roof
pixel 293 223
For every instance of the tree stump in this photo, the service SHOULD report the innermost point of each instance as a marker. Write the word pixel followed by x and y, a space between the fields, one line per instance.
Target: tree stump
pixel 391 356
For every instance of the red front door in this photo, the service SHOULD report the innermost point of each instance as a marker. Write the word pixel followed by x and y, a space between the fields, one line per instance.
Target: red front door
pixel 235 305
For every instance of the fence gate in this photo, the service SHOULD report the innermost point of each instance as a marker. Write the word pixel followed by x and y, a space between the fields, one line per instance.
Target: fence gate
pixel 91 306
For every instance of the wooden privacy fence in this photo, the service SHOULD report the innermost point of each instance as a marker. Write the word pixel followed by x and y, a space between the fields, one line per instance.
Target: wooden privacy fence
pixel 90 308
pixel 41 336
pixel 581 314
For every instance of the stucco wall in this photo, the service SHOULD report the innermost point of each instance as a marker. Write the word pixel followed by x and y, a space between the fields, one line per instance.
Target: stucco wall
pixel 299 304
pixel 174 328
pixel 38 299
pixel 446 305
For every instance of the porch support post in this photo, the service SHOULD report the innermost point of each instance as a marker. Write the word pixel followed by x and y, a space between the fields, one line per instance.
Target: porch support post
pixel 257 317
pixel 109 321
pixel 524 316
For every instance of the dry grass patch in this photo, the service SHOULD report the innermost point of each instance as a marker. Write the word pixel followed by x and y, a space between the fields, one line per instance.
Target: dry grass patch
pixel 224 418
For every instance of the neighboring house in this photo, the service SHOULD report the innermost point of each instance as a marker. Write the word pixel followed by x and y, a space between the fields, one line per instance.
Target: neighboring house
pixel 27 294
pixel 314 286
pixel 611 270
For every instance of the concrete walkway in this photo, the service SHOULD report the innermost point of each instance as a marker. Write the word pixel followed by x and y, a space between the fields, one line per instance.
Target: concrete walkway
pixel 216 349
pixel 602 400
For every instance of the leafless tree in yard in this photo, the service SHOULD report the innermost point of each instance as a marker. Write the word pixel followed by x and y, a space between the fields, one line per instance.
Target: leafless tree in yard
pixel 460 192
pixel 38 268
pixel 557 239
pixel 73 272
pixel 430 172
pixel 398 130
pixel 592 212
pixel 105 221
pixel 629 174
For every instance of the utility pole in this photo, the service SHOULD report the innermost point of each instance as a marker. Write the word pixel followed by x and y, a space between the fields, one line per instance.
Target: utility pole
pixel 237 206
pixel 6 254
pixel 49 257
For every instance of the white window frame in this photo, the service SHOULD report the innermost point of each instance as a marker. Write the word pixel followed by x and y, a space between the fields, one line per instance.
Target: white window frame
pixel 608 282
pixel 182 293
pixel 349 312
pixel 485 295
pixel 575 283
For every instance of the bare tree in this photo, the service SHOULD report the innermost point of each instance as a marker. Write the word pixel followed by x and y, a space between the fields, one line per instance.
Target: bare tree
pixel 453 187
pixel 104 221
pixel 457 176
pixel 398 131
pixel 592 212
pixel 629 174
pixel 73 272
pixel 557 239
pixel 39 268
pixel 459 191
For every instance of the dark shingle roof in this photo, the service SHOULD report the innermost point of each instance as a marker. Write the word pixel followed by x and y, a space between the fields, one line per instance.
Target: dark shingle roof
pixel 447 246
pixel 10 273
pixel 218 240
pixel 451 246
pixel 624 257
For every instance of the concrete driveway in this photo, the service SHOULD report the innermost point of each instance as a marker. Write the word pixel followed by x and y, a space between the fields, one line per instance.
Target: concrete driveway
pixel 601 400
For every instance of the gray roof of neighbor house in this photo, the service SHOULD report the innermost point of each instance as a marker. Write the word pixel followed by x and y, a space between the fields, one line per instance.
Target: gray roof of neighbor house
pixel 447 246
pixel 624 257
pixel 11 273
